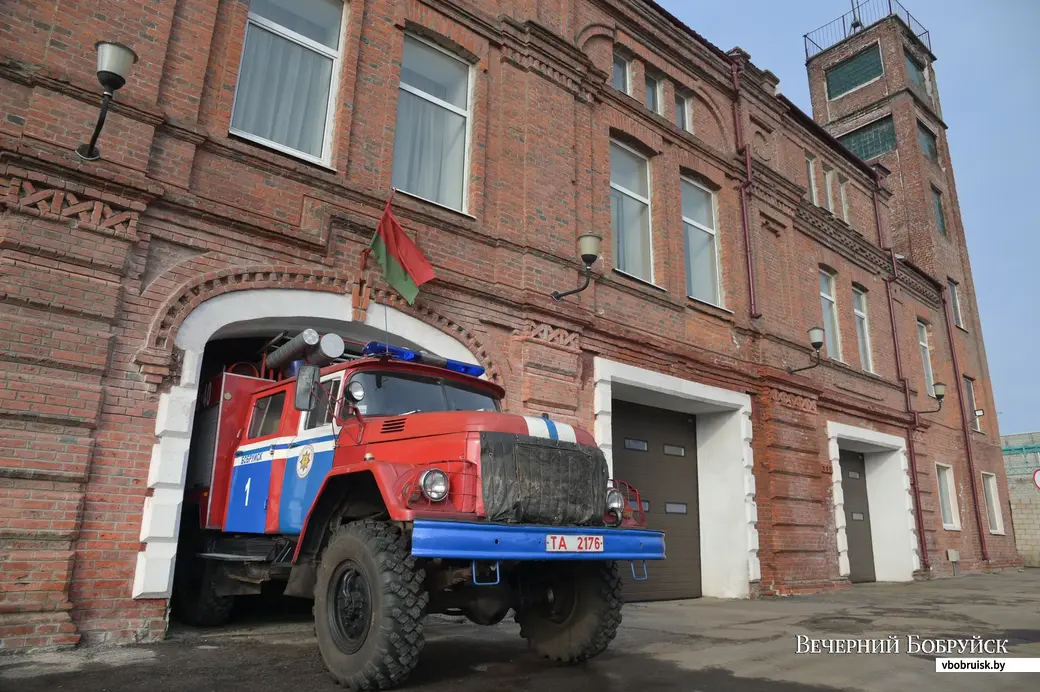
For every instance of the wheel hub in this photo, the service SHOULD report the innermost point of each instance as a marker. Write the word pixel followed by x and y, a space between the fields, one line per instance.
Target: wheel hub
pixel 350 607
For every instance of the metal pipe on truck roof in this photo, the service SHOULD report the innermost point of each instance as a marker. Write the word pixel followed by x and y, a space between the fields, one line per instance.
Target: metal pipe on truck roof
pixel 293 349
pixel 329 349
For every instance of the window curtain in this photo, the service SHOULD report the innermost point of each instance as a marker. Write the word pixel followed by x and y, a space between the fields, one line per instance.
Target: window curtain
pixel 630 226
pixel 429 150
pixel 283 92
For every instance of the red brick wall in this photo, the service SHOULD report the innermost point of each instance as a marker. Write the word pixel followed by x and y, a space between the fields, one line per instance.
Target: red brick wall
pixel 102 261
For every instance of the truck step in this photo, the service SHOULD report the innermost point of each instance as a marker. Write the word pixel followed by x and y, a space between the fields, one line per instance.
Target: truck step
pixel 232 557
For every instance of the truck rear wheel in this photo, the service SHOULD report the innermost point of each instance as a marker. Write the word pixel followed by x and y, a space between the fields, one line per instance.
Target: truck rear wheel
pixel 195 600
pixel 579 612
pixel 369 605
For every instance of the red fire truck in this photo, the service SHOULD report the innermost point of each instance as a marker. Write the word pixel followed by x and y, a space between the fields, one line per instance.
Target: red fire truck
pixel 391 486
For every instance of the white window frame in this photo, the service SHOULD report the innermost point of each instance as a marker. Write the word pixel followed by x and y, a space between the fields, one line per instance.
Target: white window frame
pixel 713 232
pixel 628 71
pixel 330 111
pixel 843 193
pixel 991 492
pixel 833 300
pixel 687 124
pixel 828 181
pixel 658 91
pixel 810 167
pixel 649 209
pixel 926 357
pixel 467 114
pixel 946 476
pixel 969 394
pixel 864 85
pixel 955 303
pixel 305 415
pixel 863 338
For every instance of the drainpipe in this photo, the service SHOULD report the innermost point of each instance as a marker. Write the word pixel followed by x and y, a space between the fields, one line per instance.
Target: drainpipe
pixel 918 511
pixel 735 69
pixel 965 425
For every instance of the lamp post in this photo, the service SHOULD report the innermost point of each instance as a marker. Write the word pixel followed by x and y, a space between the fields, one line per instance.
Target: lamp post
pixel 816 336
pixel 588 248
pixel 114 61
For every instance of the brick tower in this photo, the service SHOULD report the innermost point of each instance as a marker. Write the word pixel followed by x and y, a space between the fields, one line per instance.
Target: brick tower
pixel 873 87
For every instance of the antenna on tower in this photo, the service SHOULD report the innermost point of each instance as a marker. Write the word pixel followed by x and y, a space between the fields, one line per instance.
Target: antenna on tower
pixel 856 23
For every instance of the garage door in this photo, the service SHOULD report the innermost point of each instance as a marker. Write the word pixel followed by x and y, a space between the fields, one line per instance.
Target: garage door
pixel 655 451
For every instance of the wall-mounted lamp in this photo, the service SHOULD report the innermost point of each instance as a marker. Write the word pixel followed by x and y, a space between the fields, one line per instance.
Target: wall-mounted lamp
pixel 940 393
pixel 816 335
pixel 114 61
pixel 588 248
pixel 979 413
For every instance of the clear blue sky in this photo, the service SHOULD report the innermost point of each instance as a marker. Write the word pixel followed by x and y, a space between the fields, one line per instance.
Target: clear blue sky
pixel 988 70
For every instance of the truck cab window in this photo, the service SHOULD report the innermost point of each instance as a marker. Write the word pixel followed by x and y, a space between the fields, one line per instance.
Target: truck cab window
pixel 396 394
pixel 267 415
pixel 327 396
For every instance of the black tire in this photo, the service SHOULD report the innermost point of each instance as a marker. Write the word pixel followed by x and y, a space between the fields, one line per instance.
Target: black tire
pixel 195 602
pixel 583 619
pixel 369 605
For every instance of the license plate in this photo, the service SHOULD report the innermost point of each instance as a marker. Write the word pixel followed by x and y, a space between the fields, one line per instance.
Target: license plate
pixel 556 543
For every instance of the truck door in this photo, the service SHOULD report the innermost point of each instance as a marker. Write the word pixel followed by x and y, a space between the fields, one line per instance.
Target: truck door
pixel 254 459
pixel 310 457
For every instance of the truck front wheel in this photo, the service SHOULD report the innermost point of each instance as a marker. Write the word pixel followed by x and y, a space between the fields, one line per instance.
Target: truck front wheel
pixel 369 605
pixel 576 610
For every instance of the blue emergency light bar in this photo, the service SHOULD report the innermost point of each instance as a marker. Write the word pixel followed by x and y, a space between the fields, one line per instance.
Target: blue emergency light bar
pixel 379 348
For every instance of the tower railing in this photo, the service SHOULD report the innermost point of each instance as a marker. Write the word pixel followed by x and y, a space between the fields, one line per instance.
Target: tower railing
pixel 862 16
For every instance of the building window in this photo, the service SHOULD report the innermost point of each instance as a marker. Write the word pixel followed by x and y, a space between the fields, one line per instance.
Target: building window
pixel 620 78
pixel 828 182
pixel 915 71
pixel 682 113
pixel 996 518
pixel 832 338
pixel 844 194
pixel 929 145
pixel 810 167
pixel 940 216
pixel 433 113
pixel 926 357
pixel 857 71
pixel 701 246
pixel 969 396
pixel 955 303
pixel 859 308
pixel 948 498
pixel 653 94
pixel 630 212
pixel 285 95
pixel 873 140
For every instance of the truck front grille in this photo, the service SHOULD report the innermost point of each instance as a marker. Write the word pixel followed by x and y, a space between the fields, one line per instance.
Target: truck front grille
pixel 534 480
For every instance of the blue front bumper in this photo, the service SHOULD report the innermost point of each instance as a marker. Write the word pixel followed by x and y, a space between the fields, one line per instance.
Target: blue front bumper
pixel 473 541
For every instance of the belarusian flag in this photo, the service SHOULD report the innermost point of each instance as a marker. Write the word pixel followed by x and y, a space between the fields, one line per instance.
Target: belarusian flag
pixel 404 266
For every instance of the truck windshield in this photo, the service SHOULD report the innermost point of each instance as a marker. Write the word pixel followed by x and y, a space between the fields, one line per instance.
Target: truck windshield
pixel 397 394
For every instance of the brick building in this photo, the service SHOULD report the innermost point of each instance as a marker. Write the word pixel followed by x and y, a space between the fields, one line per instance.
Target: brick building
pixel 230 204
pixel 1021 461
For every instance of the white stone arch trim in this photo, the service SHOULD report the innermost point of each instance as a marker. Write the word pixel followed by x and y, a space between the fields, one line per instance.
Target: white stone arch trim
pixel 725 465
pixel 892 524
pixel 167 470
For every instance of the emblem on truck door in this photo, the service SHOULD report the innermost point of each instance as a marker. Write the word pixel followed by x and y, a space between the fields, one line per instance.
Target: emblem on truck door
pixel 304 463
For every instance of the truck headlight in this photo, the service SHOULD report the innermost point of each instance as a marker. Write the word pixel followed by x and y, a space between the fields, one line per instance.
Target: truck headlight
pixel 615 500
pixel 434 484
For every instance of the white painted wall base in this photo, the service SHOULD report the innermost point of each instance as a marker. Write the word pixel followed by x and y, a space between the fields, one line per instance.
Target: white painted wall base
pixel 892 526
pixel 160 521
pixel 727 509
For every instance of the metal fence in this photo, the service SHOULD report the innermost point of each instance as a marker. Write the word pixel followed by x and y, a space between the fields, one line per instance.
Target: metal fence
pixel 1021 460
pixel 863 15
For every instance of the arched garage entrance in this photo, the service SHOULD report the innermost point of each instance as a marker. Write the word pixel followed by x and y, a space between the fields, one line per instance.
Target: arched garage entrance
pixel 246 314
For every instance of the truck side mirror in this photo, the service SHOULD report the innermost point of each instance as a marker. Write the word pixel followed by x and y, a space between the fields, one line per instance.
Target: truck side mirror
pixel 306 382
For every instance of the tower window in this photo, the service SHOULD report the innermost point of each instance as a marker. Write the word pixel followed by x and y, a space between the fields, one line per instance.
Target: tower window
pixel 857 71
pixel 915 71
pixel 929 145
pixel 873 140
pixel 940 217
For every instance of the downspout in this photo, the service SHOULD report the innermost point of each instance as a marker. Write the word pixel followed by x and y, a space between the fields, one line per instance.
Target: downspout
pixel 742 148
pixel 918 511
pixel 965 425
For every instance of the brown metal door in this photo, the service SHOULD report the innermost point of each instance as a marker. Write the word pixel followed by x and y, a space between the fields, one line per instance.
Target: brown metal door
pixel 857 517
pixel 655 451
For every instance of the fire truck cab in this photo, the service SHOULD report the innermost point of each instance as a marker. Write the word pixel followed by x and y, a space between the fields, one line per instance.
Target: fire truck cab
pixel 391 486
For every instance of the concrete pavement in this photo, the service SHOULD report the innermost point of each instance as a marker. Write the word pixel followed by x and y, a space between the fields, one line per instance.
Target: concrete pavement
pixel 703 645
